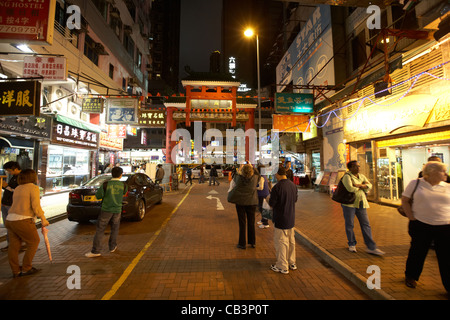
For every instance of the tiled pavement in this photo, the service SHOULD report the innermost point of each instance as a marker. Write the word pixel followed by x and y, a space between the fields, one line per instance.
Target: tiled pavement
pixel 320 226
pixel 193 256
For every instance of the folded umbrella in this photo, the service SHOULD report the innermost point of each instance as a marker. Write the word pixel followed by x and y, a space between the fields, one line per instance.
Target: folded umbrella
pixel 47 243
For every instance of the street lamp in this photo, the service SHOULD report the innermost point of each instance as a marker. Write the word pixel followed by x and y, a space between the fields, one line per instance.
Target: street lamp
pixel 249 34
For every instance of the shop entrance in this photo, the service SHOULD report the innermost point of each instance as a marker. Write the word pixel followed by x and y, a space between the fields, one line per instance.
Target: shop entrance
pixel 399 165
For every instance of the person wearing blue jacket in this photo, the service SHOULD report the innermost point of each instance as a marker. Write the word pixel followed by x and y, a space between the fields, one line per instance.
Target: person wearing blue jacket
pixel 282 199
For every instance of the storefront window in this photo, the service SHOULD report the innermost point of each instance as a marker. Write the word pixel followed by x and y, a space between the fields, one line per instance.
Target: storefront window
pixel 315 161
pixel 67 168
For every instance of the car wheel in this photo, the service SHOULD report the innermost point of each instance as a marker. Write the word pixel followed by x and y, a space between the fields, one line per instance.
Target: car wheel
pixel 140 210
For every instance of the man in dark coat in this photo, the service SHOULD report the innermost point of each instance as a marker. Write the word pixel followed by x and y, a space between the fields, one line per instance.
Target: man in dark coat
pixel 282 199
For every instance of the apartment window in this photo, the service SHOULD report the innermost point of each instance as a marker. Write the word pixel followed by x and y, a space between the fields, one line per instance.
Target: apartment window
pixel 101 7
pixel 89 50
pixel 359 50
pixel 111 71
pixel 139 60
pixel 129 45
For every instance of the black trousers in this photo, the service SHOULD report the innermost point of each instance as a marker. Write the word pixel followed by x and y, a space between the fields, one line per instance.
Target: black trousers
pixel 246 218
pixel 422 235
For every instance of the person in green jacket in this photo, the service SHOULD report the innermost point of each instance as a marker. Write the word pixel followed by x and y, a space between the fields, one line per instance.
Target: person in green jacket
pixel 112 196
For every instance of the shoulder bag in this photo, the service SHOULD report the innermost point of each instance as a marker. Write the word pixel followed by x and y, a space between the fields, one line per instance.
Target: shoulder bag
pixel 400 208
pixel 342 195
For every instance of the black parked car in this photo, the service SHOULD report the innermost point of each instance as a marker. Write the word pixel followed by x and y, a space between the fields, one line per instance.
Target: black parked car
pixel 142 194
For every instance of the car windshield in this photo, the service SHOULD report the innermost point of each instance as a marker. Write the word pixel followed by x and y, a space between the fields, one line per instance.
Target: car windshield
pixel 98 180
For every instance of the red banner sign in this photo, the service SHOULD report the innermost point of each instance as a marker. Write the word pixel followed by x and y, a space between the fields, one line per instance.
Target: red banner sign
pixel 27 20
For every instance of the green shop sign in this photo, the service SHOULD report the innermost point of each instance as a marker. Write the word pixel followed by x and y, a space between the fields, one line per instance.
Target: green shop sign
pixel 294 102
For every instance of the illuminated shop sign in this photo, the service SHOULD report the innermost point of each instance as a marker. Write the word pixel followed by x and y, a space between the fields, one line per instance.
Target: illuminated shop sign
pixel 21 98
pixel 294 102
pixel 31 20
pixel 73 136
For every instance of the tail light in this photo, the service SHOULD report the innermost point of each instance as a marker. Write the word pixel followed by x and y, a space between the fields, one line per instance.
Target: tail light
pixel 74 196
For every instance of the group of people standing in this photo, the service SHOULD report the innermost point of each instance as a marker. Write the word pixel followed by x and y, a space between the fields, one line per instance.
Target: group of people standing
pixel 249 189
pixel 426 202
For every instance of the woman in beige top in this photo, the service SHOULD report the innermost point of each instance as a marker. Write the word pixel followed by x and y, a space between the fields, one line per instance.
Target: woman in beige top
pixel 21 224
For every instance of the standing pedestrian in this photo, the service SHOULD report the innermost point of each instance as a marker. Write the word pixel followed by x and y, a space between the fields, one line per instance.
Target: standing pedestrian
pixel 282 199
pixel 429 218
pixel 213 175
pixel 112 193
pixel 159 174
pixel 13 168
pixel 356 182
pixel 201 178
pixel 263 193
pixel 189 176
pixel 289 172
pixel 243 194
pixel 21 225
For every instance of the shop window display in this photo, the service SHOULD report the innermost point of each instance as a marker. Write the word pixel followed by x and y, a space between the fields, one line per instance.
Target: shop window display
pixel 67 168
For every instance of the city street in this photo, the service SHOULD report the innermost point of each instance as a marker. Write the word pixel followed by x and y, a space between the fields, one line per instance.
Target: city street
pixel 185 249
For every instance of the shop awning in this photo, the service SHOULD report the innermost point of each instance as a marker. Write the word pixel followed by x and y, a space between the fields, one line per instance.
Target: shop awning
pixel 78 124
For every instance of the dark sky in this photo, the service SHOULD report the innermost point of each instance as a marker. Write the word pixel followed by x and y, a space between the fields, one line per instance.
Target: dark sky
pixel 201 33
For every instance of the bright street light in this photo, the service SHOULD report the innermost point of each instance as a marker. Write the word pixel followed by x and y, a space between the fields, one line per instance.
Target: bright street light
pixel 249 33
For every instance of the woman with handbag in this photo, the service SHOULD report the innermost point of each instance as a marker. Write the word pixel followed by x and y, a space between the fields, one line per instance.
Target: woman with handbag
pixel 244 195
pixel 429 216
pixel 357 183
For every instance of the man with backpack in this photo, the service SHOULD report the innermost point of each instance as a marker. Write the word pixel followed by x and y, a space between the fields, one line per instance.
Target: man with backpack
pixel 112 194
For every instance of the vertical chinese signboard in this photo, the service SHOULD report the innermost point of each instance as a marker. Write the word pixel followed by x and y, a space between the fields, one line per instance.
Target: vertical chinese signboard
pixel 21 98
pixel 27 20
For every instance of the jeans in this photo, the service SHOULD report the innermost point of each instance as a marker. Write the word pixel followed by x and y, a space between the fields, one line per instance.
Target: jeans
pixel 361 214
pixel 422 235
pixel 214 180
pixel 102 222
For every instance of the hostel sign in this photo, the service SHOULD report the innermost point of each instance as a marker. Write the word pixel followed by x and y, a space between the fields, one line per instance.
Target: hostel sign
pixel 20 98
pixel 27 20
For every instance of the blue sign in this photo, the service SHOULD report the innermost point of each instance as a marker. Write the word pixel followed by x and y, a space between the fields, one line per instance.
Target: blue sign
pixel 306 61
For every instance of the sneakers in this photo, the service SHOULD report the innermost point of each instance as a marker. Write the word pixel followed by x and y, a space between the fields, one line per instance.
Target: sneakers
pixel 113 250
pixel 274 268
pixel 264 226
pixel 92 255
pixel 293 266
pixel 352 248
pixel 376 252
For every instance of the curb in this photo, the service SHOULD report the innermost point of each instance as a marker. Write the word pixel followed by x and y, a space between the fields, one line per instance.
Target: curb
pixel 342 268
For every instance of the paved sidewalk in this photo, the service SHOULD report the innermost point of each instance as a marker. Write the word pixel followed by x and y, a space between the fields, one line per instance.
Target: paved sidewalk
pixel 320 226
pixel 192 257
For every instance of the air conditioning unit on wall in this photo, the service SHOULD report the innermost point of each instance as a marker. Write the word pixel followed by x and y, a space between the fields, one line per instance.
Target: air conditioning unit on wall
pixel 74 110
pixel 57 104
